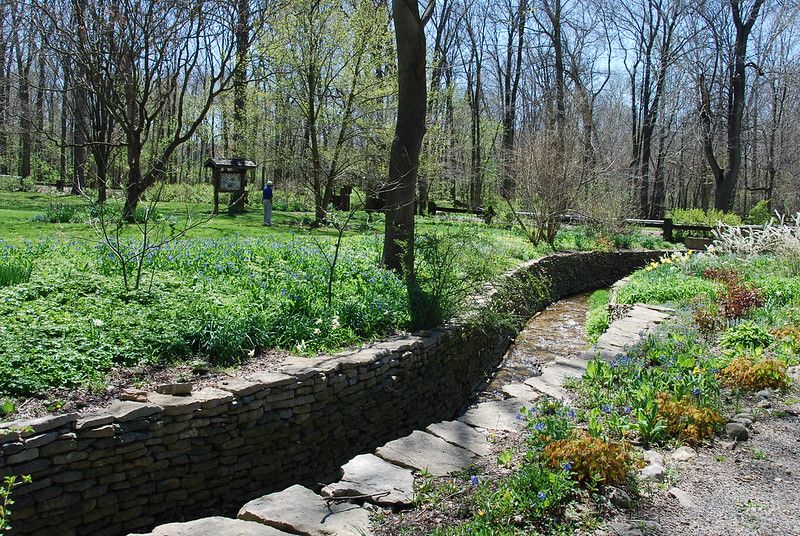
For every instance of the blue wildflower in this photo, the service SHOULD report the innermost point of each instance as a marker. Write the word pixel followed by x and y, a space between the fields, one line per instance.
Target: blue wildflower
pixel 606 408
pixel 567 466
pixel 539 426
pixel 474 480
pixel 542 495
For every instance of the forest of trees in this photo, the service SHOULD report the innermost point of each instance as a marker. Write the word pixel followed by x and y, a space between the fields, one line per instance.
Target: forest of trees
pixel 606 106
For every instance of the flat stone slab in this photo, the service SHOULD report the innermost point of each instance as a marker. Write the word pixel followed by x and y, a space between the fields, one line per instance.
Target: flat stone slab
pixel 462 435
pixel 215 526
pixel 544 387
pixel 497 415
pixel 385 483
pixel 626 330
pixel 298 510
pixel 521 391
pixel 426 452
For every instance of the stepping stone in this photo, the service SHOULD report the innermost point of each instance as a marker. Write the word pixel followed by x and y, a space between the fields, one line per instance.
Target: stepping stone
pixel 369 475
pixel 498 415
pixel 298 510
pixel 556 373
pixel 426 452
pixel 215 526
pixel 462 435
pixel 521 391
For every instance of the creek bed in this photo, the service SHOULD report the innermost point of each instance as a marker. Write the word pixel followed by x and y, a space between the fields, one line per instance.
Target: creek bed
pixel 557 331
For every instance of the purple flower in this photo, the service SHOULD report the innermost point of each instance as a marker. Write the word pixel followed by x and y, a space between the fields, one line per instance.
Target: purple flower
pixel 539 426
pixel 571 414
pixel 567 466
pixel 542 495
pixel 696 391
pixel 606 408
pixel 474 480
pixel 626 410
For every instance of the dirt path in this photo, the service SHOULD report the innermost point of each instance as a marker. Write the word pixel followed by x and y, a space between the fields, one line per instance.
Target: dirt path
pixel 748 488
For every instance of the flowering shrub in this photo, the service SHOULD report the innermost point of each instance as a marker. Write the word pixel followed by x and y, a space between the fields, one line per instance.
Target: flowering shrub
pixel 780 237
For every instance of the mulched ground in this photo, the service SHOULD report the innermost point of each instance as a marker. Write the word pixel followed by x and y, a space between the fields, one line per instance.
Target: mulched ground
pixel 145 377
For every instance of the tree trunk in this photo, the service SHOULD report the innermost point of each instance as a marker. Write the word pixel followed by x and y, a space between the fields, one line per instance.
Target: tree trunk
pixel 398 245
pixel 238 200
pixel 725 182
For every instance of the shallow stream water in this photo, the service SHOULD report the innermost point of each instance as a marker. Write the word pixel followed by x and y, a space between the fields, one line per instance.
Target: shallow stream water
pixel 557 331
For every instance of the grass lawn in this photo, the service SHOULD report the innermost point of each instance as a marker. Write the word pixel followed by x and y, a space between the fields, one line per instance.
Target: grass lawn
pixel 227 288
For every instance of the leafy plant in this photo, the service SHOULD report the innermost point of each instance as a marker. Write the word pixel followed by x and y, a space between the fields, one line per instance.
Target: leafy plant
pixel 61 213
pixel 686 421
pixel 746 335
pixel 448 267
pixel 592 460
pixel 14 270
pixel 597 317
pixel 6 501
pixel 751 373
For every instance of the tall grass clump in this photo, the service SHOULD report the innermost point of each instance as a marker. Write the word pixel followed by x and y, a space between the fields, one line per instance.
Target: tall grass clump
pixel 15 267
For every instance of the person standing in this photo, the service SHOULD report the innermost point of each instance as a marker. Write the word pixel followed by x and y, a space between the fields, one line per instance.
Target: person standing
pixel 266 197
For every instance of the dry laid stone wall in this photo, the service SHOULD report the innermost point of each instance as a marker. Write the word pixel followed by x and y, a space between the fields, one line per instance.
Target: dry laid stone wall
pixel 138 464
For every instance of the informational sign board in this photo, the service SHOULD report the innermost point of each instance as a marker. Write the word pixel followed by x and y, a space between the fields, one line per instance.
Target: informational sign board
pixel 229 176
pixel 231 181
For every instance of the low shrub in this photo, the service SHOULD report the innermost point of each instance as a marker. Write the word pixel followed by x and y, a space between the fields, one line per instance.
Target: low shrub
pixel 751 373
pixel 686 421
pixel 696 216
pixel 591 460
pixel 61 213
pixel 760 213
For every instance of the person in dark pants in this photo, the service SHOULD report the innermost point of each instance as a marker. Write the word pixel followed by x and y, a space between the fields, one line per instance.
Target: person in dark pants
pixel 266 196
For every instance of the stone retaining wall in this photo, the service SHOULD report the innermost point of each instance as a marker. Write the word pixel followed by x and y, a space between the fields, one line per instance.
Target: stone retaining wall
pixel 140 464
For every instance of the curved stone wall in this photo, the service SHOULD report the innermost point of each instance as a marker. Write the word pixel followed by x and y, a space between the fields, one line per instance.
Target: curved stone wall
pixel 172 458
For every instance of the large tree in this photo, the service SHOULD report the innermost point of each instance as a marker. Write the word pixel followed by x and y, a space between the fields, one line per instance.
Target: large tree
pixel 744 17
pixel 409 27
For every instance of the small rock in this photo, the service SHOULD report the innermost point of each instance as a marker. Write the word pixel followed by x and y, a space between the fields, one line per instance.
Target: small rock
pixel 763 404
pixel 684 499
pixel 683 454
pixel 133 395
pixel 764 394
pixel 742 421
pixel 736 431
pixel 653 456
pixel 620 498
pixel 794 373
pixel 653 472
pixel 175 389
